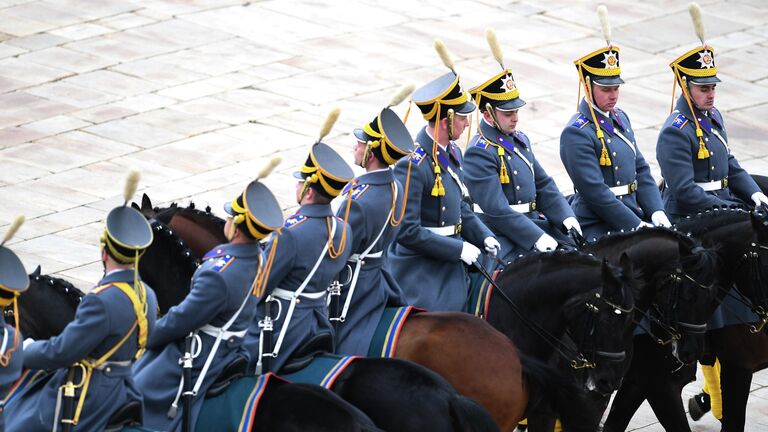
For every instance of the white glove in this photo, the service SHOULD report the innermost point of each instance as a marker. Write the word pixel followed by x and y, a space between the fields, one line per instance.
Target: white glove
pixel 545 243
pixel 571 222
pixel 26 343
pixel 469 253
pixel 644 224
pixel 492 245
pixel 659 218
pixel 759 198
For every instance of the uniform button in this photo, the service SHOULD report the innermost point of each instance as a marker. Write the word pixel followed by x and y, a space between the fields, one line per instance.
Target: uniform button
pixel 108 369
pixel 614 153
pixel 712 153
pixel 517 187
pixel 618 183
pixel 713 168
pixel 514 172
pixel 509 157
pixel 231 340
pixel 699 119
pixel 519 201
pixel 629 130
pixel 442 208
pixel 442 223
pixel 706 139
pixel 609 140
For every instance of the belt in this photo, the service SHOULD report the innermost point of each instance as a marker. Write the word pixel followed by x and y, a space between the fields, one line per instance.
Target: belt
pixel 624 190
pixel 215 331
pixel 288 294
pixel 446 231
pixel 520 208
pixel 713 185
pixel 356 257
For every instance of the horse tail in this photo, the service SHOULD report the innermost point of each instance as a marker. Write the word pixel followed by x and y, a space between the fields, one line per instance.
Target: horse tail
pixel 468 415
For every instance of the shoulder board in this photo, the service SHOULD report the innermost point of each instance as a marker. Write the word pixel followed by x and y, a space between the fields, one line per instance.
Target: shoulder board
pixel 222 263
pixel 679 121
pixel 213 253
pixel 359 191
pixel 294 220
pixel 521 136
pixel 101 288
pixel 482 143
pixel 418 155
pixel 580 121
pixel 716 114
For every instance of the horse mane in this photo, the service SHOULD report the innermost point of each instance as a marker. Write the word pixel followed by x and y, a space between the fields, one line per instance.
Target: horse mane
pixel 612 238
pixel 708 220
pixel 62 286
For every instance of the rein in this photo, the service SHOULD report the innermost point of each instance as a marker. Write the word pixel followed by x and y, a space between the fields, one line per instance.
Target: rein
pixel 574 356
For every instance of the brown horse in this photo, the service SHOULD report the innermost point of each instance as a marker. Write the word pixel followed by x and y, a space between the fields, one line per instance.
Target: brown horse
pixel 472 356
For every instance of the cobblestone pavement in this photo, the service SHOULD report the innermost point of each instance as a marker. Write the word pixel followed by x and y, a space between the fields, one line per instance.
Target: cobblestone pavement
pixel 198 93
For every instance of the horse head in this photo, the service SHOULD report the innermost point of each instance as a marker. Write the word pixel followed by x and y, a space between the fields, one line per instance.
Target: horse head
pixel 741 240
pixel 46 307
pixel 600 323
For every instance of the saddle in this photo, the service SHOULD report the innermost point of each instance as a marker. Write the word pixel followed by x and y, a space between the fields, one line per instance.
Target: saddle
pixel 234 370
pixel 303 356
pixel 128 415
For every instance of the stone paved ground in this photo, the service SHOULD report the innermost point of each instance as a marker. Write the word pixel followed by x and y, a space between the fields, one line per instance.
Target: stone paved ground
pixel 198 93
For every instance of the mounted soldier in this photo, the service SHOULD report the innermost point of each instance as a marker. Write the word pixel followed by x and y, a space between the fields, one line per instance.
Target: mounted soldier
pixel 90 361
pixel 217 311
pixel 375 201
pixel 13 282
pixel 513 194
pixel 614 188
pixel 306 255
pixel 440 233
pixel 701 173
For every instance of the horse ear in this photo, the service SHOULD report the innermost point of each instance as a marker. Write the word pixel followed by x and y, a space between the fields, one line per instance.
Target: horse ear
pixel 191 206
pixel 146 203
pixel 135 206
pixel 36 273
pixel 609 280
pixel 627 268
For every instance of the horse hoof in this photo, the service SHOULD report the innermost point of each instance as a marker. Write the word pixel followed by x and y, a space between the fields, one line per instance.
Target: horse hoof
pixel 698 406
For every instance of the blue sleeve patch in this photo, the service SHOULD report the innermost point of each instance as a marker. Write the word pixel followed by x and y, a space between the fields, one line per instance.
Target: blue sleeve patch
pixel 679 121
pixel 580 121
pixel 482 143
pixel 359 191
pixel 294 220
pixel 418 155
pixel 222 263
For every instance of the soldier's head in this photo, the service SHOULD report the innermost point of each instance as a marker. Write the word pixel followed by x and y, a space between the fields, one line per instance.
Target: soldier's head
pixel 13 277
pixel 322 177
pixel 382 142
pixel 599 73
pixel 695 71
pixel 127 233
pixel 253 214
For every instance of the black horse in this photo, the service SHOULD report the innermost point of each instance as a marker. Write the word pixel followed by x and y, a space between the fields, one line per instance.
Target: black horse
pixel 56 296
pixel 677 293
pixel 546 297
pixel 739 238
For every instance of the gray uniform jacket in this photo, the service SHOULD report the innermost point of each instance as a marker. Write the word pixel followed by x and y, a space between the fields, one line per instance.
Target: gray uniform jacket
pixel 597 208
pixel 677 152
pixel 528 183
pixel 370 207
pixel 299 244
pixel 102 319
pixel 218 289
pixel 428 265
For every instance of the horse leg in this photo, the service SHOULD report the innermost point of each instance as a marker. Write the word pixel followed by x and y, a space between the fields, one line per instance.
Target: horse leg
pixel 666 402
pixel 628 399
pixel 735 381
pixel 541 423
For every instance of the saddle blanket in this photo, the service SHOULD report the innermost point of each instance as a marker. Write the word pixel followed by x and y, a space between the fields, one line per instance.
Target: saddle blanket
pixel 479 294
pixel 384 342
pixel 323 370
